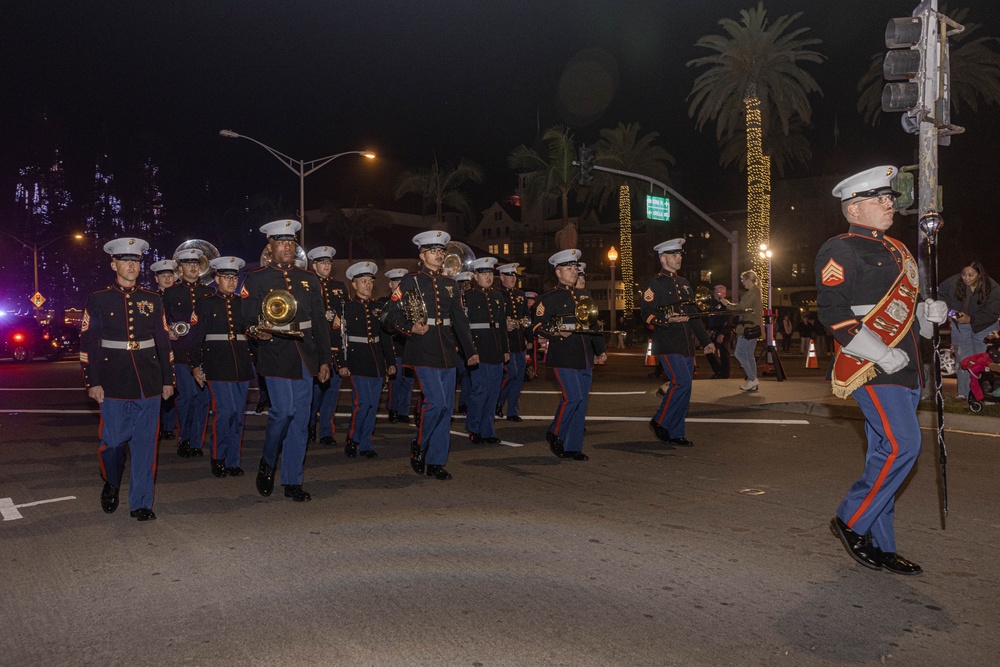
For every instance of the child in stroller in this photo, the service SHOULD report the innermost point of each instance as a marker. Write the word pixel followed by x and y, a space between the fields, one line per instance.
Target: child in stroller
pixel 985 374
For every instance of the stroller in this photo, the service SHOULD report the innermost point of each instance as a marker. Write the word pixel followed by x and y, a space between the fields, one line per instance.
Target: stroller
pixel 984 385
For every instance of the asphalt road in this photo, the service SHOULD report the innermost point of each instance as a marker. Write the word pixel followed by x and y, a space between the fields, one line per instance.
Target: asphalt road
pixel 715 555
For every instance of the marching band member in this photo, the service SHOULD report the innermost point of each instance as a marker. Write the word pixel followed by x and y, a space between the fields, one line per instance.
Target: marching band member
pixel 180 304
pixel 288 363
pixel 517 313
pixel 165 276
pixel 325 394
pixel 462 371
pixel 220 358
pixel 867 296
pixel 401 386
pixel 126 358
pixel 365 357
pixel 430 348
pixel 488 322
pixel 570 356
pixel 672 341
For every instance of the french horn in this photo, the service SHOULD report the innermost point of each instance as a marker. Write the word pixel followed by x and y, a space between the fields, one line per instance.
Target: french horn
pixel 208 253
pixel 458 257
pixel 585 313
pixel 278 309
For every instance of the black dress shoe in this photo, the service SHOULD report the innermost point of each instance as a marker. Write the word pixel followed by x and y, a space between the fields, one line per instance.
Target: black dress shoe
pixel 463 409
pixel 167 435
pixel 235 471
pixel 402 419
pixel 556 446
pixel 416 417
pixel 218 467
pixel 576 456
pixel 476 438
pixel 109 498
pixel 351 449
pixel 438 472
pixel 297 493
pixel 142 514
pixel 265 479
pixel 491 441
pixel 312 434
pixel 514 418
pixel 681 442
pixel 716 376
pixel 369 454
pixel 660 432
pixel 893 562
pixel 184 449
pixel 262 407
pixel 859 547
pixel 393 416
pixel 500 411
pixel 328 441
pixel 416 457
pixel 196 451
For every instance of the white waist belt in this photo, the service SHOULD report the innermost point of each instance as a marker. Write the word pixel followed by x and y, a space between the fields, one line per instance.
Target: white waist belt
pixel 862 310
pixel 362 339
pixel 223 337
pixel 128 344
pixel 444 323
pixel 567 327
pixel 484 325
pixel 302 326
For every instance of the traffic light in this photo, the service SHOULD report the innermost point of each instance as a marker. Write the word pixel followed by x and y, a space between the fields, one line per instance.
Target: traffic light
pixel 912 64
pixel 586 165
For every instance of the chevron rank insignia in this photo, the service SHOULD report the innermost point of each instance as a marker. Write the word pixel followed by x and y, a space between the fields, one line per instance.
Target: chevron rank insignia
pixel 540 311
pixel 833 273
pixel 648 296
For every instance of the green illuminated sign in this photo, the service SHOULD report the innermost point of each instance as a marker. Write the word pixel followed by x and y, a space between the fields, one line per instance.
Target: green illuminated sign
pixel 657 208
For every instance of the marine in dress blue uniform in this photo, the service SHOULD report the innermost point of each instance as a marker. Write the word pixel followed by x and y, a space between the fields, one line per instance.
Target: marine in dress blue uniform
pixel 365 357
pixel 180 303
pixel 325 394
pixel 220 358
pixel 164 272
pixel 571 356
pixel 488 322
pixel 430 349
pixel 672 340
pixel 288 363
pixel 400 393
pixel 127 368
pixel 518 323
pixel 463 374
pixel 867 296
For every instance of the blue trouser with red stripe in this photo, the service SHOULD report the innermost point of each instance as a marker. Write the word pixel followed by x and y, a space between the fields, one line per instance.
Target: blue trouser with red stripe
pixel 464 381
pixel 436 405
pixel 365 394
pixel 513 381
pixel 287 421
pixel 229 400
pixel 133 423
pixel 572 412
pixel 192 407
pixel 679 371
pixel 486 381
pixel 893 446
pixel 168 414
pixel 400 391
pixel 324 402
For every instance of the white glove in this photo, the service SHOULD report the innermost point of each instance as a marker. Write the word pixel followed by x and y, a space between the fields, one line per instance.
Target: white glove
pixel 935 311
pixel 868 346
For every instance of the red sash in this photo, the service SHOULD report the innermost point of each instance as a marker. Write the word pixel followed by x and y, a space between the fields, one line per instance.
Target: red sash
pixel 890 319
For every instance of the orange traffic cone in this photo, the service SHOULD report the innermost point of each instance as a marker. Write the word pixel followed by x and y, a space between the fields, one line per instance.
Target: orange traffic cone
pixel 650 359
pixel 811 361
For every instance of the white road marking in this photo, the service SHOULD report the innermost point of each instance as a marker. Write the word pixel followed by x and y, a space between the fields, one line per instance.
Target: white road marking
pixel 502 442
pixel 9 510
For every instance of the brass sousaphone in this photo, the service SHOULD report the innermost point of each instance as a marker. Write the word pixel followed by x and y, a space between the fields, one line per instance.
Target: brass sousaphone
pixel 208 253
pixel 458 257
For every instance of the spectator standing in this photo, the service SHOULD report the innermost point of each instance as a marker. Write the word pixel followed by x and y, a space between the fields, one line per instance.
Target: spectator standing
pixel 975 299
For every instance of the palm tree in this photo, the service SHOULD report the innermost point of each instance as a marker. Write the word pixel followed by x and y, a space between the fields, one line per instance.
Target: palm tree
pixel 755 70
pixel 783 149
pixel 358 226
pixel 549 174
pixel 439 187
pixel 975 72
pixel 622 148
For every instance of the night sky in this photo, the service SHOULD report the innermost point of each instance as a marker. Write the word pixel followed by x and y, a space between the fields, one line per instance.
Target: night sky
pixel 411 81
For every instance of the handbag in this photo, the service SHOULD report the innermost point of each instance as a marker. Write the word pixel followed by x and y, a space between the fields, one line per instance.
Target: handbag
pixel 751 332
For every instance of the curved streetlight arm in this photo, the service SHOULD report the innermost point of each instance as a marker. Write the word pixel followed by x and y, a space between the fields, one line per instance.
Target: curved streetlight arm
pixel 312 165
pixel 286 160
pixel 36 246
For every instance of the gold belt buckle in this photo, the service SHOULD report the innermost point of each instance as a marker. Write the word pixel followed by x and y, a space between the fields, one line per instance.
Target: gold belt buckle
pixel 232 336
pixel 132 345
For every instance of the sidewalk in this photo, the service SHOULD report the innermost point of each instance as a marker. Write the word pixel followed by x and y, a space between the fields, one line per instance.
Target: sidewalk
pixel 806 391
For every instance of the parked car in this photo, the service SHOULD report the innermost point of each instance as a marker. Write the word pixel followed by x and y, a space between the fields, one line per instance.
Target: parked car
pixel 23 339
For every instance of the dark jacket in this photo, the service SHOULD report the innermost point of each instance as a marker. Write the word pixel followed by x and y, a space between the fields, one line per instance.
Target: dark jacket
pixel 368 351
pixel 576 350
pixel 670 289
pixel 983 313
pixel 180 302
pixel 517 309
pixel 488 322
pixel 219 343
pixel 447 320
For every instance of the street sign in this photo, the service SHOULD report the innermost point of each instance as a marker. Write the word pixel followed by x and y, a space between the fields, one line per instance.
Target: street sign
pixel 37 299
pixel 657 208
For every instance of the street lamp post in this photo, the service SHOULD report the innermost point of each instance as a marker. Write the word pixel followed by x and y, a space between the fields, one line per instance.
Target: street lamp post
pixel 300 167
pixel 772 362
pixel 34 248
pixel 612 301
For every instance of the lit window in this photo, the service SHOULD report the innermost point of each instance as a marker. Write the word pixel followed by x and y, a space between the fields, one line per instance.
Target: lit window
pixel 506 248
pixel 529 247
pixel 706 276
pixel 493 248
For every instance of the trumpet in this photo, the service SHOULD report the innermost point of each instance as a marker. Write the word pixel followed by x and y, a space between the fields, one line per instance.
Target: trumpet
pixel 585 315
pixel 179 328
pixel 522 323
pixel 278 310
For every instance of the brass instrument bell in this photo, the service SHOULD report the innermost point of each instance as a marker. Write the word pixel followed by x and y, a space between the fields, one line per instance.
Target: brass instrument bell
pixel 278 309
pixel 179 328
pixel 208 253
pixel 458 257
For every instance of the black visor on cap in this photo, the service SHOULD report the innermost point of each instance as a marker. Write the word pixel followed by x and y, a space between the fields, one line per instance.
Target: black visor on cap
pixel 875 192
pixel 189 261
pixel 281 237
pixel 432 246
pixel 570 263
pixel 363 275
pixel 128 256
pixel 227 272
pixel 164 271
